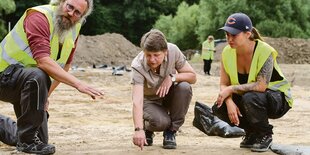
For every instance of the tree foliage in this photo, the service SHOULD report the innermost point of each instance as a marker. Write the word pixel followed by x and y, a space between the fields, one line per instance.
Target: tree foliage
pixel 277 18
pixel 181 28
pixel 21 7
pixel 6 7
pixel 132 18
pixel 187 24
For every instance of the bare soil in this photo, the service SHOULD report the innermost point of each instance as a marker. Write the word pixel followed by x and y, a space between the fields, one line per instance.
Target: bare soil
pixel 80 125
pixel 115 49
pixel 108 49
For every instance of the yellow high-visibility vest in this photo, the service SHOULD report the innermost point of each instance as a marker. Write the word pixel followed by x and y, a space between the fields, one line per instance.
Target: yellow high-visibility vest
pixel 207 51
pixel 14 48
pixel 262 52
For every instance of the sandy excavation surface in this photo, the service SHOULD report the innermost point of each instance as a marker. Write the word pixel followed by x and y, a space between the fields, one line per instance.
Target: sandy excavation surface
pixel 80 125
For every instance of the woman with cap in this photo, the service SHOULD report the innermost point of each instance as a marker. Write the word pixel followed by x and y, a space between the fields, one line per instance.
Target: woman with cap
pixel 252 86
pixel 208 54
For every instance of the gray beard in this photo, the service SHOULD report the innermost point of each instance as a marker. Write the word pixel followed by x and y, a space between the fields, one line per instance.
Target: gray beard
pixel 60 29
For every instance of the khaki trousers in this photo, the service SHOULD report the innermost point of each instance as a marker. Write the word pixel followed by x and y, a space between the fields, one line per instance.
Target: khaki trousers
pixel 168 113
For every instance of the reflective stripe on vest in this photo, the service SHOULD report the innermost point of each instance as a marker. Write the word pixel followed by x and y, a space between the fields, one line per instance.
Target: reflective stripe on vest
pixel 262 52
pixel 15 47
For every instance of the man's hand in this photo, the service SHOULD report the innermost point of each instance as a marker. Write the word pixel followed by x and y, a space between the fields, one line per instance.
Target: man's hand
pixel 164 87
pixel 83 88
pixel 56 72
pixel 139 138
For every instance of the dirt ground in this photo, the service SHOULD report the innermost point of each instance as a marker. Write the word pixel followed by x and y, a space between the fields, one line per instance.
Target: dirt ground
pixel 80 125
pixel 108 49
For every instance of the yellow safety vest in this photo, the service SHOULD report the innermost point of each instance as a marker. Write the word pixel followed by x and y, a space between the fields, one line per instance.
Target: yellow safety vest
pixel 262 52
pixel 207 54
pixel 14 48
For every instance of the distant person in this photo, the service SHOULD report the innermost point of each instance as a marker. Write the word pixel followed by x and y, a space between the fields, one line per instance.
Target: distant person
pixel 39 48
pixel 252 85
pixel 161 90
pixel 207 54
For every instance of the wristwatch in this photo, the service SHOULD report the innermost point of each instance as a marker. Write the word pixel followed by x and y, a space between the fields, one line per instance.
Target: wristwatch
pixel 138 129
pixel 172 77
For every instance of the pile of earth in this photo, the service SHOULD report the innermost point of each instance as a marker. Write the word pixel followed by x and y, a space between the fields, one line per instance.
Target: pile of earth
pixel 115 49
pixel 290 50
pixel 107 49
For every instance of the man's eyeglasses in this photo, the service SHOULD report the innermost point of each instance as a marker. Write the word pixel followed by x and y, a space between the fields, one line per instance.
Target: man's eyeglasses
pixel 76 12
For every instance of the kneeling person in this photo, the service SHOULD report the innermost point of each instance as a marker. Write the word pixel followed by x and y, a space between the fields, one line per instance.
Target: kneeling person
pixel 161 91
pixel 39 48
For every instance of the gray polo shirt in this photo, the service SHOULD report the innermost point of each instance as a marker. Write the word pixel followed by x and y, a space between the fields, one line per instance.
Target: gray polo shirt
pixel 142 74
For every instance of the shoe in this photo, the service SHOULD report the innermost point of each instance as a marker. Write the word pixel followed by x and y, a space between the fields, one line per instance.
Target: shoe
pixel 169 140
pixel 262 144
pixel 149 137
pixel 248 140
pixel 37 147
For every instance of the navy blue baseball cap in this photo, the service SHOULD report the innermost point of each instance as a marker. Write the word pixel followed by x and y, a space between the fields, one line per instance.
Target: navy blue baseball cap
pixel 236 23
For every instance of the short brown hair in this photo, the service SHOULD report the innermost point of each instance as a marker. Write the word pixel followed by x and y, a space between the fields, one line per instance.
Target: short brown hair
pixel 154 41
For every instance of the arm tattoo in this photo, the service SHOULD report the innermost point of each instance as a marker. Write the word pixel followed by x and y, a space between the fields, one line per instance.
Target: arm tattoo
pixel 263 77
pixel 265 73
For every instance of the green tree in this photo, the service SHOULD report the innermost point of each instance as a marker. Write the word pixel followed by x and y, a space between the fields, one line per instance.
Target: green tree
pixel 132 18
pixel 104 19
pixel 181 29
pixel 164 24
pixel 213 14
pixel 289 19
pixel 6 7
pixel 277 18
pixel 21 7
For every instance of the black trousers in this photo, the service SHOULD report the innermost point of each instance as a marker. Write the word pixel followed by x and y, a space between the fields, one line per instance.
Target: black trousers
pixel 256 108
pixel 207 66
pixel 28 94
pixel 8 129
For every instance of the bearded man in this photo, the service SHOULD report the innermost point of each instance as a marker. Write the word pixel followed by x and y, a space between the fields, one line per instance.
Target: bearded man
pixel 39 48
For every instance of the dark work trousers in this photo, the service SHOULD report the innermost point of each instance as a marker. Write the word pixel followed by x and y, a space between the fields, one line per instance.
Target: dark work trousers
pixel 207 66
pixel 256 108
pixel 28 96
pixel 8 130
pixel 170 113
